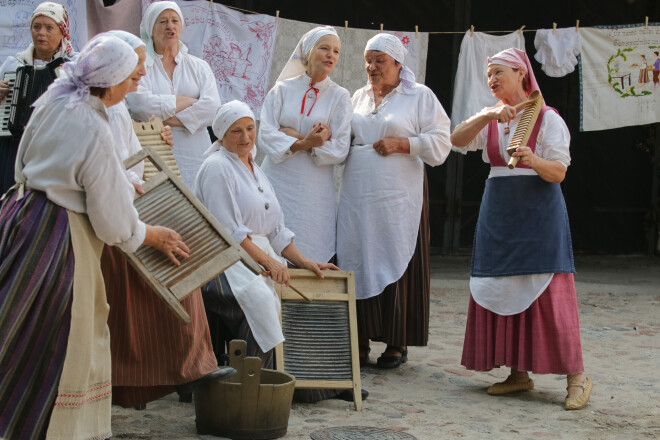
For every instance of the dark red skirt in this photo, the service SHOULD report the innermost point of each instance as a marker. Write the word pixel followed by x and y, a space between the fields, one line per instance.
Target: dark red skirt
pixel 544 339
pixel 400 315
pixel 152 350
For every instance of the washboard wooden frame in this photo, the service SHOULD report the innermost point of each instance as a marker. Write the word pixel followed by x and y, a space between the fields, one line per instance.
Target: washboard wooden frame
pixel 168 202
pixel 321 344
pixel 148 134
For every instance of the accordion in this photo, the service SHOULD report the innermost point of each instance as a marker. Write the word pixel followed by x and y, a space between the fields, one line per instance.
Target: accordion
pixel 5 105
pixel 29 84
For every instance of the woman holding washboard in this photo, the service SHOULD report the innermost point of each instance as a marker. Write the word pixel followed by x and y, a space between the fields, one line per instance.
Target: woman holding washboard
pixel 523 306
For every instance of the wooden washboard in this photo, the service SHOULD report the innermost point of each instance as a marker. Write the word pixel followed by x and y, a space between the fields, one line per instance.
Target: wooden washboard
pixel 148 133
pixel 168 202
pixel 321 346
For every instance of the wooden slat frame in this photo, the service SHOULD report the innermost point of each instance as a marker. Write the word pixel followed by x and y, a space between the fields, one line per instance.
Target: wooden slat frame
pixel 148 133
pixel 195 276
pixel 337 286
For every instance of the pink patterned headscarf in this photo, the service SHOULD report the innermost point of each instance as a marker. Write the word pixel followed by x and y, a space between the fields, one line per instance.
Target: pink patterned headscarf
pixel 59 15
pixel 516 59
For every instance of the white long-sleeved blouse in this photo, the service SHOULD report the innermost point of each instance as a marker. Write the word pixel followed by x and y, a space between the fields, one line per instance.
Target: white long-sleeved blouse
pixel 304 181
pixel 156 96
pixel 381 197
pixel 243 203
pixel 83 175
pixel 126 142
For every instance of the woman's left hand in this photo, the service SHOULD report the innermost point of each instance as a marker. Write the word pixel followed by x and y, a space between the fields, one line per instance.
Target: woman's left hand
pixel 166 135
pixel 525 156
pixel 317 267
pixel 392 145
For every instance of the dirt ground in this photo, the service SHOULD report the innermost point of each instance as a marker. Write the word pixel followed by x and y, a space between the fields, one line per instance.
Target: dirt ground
pixel 434 397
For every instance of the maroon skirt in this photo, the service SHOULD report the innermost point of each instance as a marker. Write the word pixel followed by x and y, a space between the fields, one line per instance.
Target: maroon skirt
pixel 544 339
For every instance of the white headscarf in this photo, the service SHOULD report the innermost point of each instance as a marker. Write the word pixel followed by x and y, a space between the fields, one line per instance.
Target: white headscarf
pixel 226 115
pixel 392 46
pixel 58 14
pixel 147 27
pixel 126 37
pixel 294 67
pixel 105 61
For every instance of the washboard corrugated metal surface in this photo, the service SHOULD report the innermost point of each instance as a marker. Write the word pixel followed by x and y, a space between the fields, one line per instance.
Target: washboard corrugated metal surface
pixel 168 202
pixel 148 133
pixel 320 347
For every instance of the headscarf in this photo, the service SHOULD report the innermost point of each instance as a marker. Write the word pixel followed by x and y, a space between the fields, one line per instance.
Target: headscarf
pixel 516 59
pixel 392 46
pixel 105 61
pixel 126 37
pixel 294 67
pixel 58 14
pixel 226 115
pixel 147 27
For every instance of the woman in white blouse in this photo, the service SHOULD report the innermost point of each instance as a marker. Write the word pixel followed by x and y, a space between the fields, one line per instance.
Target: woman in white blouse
pixel 304 131
pixel 382 223
pixel 523 305
pixel 178 88
pixel 238 193
pixel 70 197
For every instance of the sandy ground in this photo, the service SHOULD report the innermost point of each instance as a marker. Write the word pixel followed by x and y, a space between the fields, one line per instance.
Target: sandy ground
pixel 434 397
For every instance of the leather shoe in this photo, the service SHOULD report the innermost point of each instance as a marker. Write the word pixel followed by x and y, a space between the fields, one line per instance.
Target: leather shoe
pixel 214 376
pixel 389 362
pixel 348 395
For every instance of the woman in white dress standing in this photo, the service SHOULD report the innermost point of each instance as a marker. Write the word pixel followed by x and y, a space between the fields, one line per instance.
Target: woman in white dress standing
pixel 305 130
pixel 382 226
pixel 178 88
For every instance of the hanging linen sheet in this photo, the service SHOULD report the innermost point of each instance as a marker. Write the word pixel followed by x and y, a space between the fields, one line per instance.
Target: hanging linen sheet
pixel 471 92
pixel 237 46
pixel 619 83
pixel 350 72
pixel 124 15
pixel 15 24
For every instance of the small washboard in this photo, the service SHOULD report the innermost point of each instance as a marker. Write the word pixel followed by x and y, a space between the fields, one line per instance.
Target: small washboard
pixel 320 347
pixel 532 109
pixel 168 202
pixel 5 105
pixel 148 133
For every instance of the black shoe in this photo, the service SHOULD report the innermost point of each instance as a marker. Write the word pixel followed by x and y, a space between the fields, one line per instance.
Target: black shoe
pixel 214 376
pixel 348 395
pixel 388 362
pixel 141 406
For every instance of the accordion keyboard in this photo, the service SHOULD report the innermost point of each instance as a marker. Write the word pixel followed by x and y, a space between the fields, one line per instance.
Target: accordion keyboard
pixel 5 105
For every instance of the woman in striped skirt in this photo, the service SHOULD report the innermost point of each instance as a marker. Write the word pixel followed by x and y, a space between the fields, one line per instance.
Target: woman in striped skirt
pixel 70 197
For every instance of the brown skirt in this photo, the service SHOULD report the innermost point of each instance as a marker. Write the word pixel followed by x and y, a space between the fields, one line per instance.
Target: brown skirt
pixel 399 316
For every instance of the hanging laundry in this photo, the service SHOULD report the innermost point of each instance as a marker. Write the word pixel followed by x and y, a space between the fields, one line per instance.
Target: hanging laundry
pixel 124 15
pixel 557 50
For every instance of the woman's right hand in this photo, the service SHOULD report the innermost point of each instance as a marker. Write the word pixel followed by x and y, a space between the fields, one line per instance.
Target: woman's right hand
pixel 4 89
pixel 167 241
pixel 278 271
pixel 504 113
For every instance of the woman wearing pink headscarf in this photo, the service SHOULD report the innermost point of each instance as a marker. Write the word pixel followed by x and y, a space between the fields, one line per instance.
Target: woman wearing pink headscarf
pixel 523 305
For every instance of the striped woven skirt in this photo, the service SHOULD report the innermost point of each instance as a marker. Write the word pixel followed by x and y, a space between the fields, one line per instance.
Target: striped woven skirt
pixel 152 350
pixel 399 316
pixel 36 286
pixel 544 339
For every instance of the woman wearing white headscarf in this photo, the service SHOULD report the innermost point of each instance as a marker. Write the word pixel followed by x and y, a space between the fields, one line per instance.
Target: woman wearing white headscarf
pixel 145 364
pixel 49 26
pixel 72 195
pixel 382 224
pixel 178 88
pixel 305 130
pixel 237 192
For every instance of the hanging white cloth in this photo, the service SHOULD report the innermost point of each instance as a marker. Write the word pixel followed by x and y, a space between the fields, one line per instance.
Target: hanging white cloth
pixel 557 50
pixel 471 92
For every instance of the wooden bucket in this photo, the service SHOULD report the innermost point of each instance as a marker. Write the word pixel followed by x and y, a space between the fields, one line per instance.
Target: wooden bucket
pixel 253 404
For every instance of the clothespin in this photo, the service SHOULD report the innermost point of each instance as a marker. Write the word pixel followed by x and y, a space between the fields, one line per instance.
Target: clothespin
pixel 381 27
pixel 646 25
pixel 277 15
pixel 211 4
pixel 521 29
pixel 577 25
pixel 416 31
pixel 554 28
pixel 346 25
pixel 471 30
